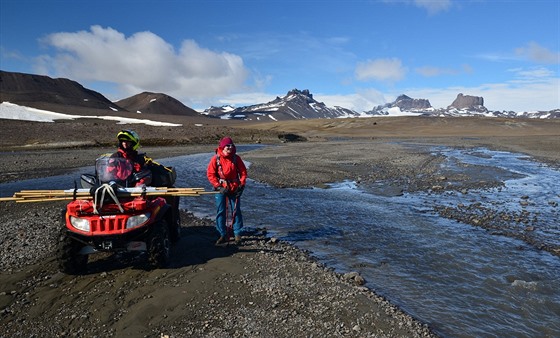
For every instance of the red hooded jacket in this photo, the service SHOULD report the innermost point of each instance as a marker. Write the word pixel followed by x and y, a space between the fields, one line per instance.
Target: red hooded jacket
pixel 226 171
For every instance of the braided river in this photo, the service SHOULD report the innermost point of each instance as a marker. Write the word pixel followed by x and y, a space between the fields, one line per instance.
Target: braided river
pixel 462 280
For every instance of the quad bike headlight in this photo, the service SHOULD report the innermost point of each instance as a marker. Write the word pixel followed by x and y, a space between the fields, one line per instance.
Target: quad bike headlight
pixel 80 223
pixel 134 221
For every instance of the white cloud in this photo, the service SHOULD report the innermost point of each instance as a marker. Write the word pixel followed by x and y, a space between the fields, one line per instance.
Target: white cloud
pixel 200 77
pixel 11 54
pixel 521 97
pixel 433 6
pixel 535 74
pixel 531 90
pixel 532 52
pixel 247 99
pixel 495 57
pixel 511 96
pixel 431 71
pixel 144 62
pixel 389 70
pixel 539 54
pixel 363 100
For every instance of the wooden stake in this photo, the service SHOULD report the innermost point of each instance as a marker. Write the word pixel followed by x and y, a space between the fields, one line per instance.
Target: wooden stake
pixel 70 194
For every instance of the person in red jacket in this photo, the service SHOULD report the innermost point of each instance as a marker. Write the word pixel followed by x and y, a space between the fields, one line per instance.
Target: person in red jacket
pixel 133 171
pixel 227 174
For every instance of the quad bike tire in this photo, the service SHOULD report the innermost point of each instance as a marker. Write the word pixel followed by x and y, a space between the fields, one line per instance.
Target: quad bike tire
pixel 159 246
pixel 175 226
pixel 175 230
pixel 70 261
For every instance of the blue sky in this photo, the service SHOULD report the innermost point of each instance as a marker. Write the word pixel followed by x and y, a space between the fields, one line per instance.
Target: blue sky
pixel 352 53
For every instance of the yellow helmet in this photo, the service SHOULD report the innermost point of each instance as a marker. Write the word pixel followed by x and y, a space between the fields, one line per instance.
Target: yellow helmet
pixel 129 135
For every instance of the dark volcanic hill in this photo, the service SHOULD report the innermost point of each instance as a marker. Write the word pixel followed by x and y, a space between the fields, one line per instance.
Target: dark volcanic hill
pixel 69 97
pixel 156 103
pixel 59 95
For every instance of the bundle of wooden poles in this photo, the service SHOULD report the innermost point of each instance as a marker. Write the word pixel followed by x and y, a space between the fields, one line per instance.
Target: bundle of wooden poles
pixel 72 194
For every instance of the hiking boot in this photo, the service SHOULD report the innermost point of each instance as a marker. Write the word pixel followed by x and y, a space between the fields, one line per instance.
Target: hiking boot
pixel 237 240
pixel 221 240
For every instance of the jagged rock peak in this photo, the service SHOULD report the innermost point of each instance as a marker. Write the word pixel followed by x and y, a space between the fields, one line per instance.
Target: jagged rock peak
pixel 467 102
pixel 304 92
pixel 405 102
pixel 303 96
pixel 403 97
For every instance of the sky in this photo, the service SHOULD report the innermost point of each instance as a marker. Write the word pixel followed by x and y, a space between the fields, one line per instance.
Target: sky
pixel 357 54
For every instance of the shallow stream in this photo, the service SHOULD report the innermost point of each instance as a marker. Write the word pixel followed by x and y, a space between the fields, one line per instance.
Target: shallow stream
pixel 464 281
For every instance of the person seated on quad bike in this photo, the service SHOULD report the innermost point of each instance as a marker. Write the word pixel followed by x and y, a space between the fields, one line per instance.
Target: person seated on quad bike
pixel 133 171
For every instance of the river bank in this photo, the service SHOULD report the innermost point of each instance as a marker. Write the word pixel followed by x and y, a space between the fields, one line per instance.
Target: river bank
pixel 260 289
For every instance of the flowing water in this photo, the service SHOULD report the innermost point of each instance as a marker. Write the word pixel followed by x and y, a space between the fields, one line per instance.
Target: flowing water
pixel 461 280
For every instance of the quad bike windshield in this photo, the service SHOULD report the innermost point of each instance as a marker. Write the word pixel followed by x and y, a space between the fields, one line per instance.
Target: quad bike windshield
pixel 113 169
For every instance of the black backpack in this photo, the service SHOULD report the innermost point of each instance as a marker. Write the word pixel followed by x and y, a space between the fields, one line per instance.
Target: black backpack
pixel 162 176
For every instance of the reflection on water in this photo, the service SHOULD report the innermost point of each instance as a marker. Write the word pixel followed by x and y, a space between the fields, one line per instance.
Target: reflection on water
pixel 461 280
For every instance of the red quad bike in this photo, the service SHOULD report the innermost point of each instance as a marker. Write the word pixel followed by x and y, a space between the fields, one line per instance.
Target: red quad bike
pixel 117 219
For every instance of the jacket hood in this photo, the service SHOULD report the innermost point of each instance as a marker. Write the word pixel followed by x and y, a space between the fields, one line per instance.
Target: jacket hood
pixel 223 143
pixel 219 151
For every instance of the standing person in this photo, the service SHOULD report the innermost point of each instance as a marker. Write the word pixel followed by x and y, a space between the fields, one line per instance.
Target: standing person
pixel 128 145
pixel 227 174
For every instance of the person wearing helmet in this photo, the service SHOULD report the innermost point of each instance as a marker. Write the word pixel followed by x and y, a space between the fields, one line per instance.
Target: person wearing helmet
pixel 128 144
pixel 228 174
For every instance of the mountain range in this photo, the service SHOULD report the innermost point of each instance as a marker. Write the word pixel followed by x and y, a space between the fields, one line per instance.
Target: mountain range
pixel 294 106
pixel 67 96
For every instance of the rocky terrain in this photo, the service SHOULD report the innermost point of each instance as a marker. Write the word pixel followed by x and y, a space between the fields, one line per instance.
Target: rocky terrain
pixel 262 288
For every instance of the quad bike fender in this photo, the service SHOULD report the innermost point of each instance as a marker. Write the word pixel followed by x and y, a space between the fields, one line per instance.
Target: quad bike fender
pixel 164 212
pixel 170 215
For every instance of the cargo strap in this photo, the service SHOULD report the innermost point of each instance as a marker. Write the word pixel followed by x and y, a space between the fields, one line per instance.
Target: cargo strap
pixel 105 188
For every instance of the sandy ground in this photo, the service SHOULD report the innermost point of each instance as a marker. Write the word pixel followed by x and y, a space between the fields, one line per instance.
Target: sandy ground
pixel 263 288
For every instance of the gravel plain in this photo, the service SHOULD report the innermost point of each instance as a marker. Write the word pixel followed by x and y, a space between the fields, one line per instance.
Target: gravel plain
pixel 263 288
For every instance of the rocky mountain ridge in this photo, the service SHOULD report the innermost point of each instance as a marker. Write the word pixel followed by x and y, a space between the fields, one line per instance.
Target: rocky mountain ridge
pixel 297 104
pixel 463 105
pixel 67 96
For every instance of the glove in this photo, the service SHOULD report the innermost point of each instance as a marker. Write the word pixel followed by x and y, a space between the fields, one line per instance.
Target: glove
pixel 239 191
pixel 222 190
pixel 142 176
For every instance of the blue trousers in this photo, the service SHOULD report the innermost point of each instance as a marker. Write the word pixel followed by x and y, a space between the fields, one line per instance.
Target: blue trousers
pixel 226 205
